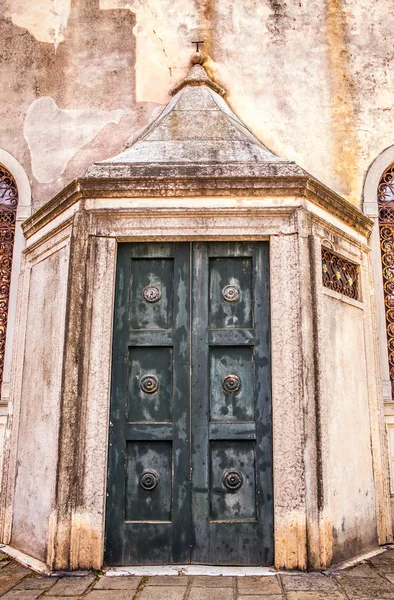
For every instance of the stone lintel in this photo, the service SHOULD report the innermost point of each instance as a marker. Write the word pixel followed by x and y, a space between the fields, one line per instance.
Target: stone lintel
pixel 202 180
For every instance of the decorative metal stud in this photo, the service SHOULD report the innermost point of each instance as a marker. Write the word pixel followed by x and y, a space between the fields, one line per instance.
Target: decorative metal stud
pixel 148 480
pixel 231 384
pixel 152 293
pixel 149 384
pixel 233 479
pixel 230 293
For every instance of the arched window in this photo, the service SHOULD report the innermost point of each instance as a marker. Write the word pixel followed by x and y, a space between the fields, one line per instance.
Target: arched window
pixel 8 207
pixel 386 228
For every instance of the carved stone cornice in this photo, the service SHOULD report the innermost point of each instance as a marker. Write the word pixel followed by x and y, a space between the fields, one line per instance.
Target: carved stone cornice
pixel 284 180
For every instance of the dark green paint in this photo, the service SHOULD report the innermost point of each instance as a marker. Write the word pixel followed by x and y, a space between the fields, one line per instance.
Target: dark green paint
pixel 190 515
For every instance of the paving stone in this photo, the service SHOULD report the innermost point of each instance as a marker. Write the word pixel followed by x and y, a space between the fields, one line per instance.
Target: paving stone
pixel 389 576
pixel 22 595
pixel 210 594
pixel 165 593
pixel 36 583
pixel 118 583
pixel 112 595
pixel 212 582
pixel 168 580
pixel 267 597
pixel 308 582
pixel 70 586
pixel 363 587
pixel 304 595
pixel 363 570
pixel 9 577
pixel 258 585
pixel 4 563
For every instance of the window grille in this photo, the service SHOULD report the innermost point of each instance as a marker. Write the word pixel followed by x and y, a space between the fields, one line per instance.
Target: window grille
pixel 386 229
pixel 8 206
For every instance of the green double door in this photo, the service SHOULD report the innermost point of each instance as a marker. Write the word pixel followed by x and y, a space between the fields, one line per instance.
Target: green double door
pixel 190 442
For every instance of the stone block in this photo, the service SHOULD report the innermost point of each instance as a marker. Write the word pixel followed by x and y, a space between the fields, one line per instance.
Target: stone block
pixel 212 582
pixel 36 583
pixel 258 585
pixel 210 594
pixel 363 587
pixel 305 595
pixel 112 595
pixel 22 594
pixel 118 583
pixel 168 580
pixel 308 582
pixel 71 586
pixel 176 592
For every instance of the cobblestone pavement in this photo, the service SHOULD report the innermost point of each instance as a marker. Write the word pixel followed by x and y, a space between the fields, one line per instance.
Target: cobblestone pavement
pixel 372 579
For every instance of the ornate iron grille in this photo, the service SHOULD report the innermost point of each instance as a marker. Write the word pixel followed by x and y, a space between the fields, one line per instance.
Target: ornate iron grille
pixel 340 274
pixel 386 228
pixel 8 206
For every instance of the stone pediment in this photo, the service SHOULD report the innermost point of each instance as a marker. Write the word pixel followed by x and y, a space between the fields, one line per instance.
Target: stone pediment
pixel 197 127
pixel 198 148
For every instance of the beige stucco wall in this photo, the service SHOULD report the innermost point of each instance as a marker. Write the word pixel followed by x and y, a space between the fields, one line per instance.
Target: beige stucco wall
pixel 349 487
pixel 312 80
pixel 37 451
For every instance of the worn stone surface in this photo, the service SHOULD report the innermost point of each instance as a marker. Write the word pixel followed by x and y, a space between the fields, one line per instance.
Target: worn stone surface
pixel 164 593
pixel 212 582
pixel 258 585
pixel 36 583
pixel 70 586
pixel 36 479
pixel 315 595
pixel 340 52
pixel 308 582
pixel 117 583
pixel 111 594
pixel 339 585
pixel 346 432
pixel 362 587
pixel 22 594
pixel 168 580
pixel 208 594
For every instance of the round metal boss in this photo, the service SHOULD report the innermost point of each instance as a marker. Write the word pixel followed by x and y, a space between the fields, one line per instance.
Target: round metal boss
pixel 148 480
pixel 230 293
pixel 231 384
pixel 233 479
pixel 149 384
pixel 152 293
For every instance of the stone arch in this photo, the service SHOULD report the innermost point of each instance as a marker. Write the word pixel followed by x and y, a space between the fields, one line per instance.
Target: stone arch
pixel 18 173
pixel 370 208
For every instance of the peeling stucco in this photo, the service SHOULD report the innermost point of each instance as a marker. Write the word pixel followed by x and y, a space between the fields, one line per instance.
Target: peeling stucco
pixel 55 135
pixel 312 81
pixel 46 20
pixel 163 31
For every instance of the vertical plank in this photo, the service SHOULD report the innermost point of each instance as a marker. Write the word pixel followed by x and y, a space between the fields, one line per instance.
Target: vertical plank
pixel 263 400
pixel 200 407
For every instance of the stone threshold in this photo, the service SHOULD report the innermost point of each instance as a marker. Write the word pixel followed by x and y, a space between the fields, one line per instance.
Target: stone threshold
pixel 149 571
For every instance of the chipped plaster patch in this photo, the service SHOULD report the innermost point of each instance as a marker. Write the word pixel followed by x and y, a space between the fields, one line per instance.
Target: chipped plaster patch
pixel 55 135
pixel 163 32
pixel 46 20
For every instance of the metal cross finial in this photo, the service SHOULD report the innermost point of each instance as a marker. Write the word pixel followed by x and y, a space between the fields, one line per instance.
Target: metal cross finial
pixel 197 45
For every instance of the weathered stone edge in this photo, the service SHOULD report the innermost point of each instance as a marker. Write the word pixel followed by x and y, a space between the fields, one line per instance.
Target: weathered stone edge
pixel 210 185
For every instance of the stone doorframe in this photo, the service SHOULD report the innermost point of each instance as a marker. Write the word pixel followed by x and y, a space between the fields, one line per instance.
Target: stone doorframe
pixel 295 228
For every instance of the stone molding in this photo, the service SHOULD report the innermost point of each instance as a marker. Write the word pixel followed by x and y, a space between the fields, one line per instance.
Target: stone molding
pixel 211 185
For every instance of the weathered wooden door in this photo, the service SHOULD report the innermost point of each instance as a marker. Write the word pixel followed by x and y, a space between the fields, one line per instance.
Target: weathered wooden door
pixel 190 456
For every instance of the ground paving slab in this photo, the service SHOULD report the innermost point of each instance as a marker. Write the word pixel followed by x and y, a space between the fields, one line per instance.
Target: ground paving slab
pixel 371 579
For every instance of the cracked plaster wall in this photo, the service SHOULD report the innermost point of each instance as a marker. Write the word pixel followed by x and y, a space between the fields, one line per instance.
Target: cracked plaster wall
pixel 312 79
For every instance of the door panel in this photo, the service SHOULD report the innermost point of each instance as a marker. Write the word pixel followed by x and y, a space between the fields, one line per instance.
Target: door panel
pixel 148 500
pixel 164 505
pixel 232 506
